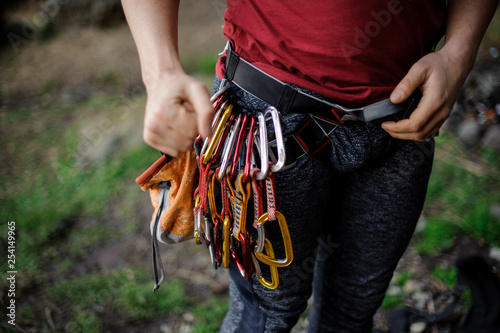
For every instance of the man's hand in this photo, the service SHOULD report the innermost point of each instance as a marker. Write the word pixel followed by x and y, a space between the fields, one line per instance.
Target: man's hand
pixel 440 79
pixel 177 109
pixel 440 75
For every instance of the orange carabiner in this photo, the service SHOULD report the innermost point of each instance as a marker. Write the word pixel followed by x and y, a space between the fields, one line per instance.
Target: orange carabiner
pixel 217 134
pixel 287 242
pixel 240 195
pixel 226 249
pixel 273 284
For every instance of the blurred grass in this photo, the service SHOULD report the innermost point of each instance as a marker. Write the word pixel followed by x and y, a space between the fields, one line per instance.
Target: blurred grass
pixel 460 197
pixel 447 275
pixel 209 315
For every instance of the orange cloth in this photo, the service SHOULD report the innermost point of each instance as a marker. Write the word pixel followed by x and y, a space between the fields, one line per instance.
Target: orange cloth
pixel 177 220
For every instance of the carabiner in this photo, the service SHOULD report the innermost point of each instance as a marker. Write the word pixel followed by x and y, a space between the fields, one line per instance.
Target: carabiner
pixel 240 195
pixel 273 284
pixel 209 230
pixel 197 219
pixel 248 157
pixel 280 143
pixel 262 142
pixel 226 241
pixel 220 145
pixel 229 147
pixel 216 105
pixel 217 134
pixel 287 242
pixel 218 241
pixel 219 93
pixel 246 252
pixel 218 113
pixel 239 145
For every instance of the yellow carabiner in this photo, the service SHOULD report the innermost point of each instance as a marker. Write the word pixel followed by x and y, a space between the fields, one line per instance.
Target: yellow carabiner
pixel 217 134
pixel 226 252
pixel 287 242
pixel 275 281
pixel 211 196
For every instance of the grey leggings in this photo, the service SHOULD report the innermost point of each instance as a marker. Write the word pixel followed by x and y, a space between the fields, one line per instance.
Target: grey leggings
pixel 350 220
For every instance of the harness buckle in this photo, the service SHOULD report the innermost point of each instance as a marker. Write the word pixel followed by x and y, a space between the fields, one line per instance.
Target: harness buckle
pixel 336 112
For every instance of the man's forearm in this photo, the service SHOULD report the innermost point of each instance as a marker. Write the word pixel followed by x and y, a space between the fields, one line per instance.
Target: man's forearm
pixel 154 27
pixel 466 25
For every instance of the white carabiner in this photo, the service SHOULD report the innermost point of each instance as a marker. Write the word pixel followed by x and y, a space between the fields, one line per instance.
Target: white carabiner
pixel 261 141
pixel 219 92
pixel 280 143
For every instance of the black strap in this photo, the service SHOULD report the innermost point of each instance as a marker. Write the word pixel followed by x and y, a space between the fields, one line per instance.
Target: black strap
pixel 484 317
pixel 287 99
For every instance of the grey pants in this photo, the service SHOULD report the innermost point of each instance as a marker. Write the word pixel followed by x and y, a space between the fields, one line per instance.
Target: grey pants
pixel 350 221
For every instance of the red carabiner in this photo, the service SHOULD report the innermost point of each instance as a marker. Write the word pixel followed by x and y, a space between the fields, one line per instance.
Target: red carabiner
pixel 239 144
pixel 218 241
pixel 246 252
pixel 248 157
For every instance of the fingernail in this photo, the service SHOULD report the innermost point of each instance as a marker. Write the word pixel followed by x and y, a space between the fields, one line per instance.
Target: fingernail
pixel 397 95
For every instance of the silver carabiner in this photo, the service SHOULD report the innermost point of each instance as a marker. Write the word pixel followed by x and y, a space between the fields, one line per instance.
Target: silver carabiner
pixel 261 141
pixel 218 114
pixel 280 143
pixel 228 148
pixel 221 90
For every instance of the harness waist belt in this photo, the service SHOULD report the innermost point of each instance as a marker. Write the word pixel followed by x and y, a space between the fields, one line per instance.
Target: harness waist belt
pixel 287 99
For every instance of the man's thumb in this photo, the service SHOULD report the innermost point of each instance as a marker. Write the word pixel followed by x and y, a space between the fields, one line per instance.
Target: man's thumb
pixel 200 100
pixel 406 87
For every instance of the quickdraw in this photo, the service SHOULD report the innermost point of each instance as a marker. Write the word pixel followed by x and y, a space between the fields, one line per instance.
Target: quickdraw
pixel 234 164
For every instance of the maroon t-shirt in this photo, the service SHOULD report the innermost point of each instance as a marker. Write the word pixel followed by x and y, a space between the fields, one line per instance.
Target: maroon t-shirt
pixel 352 51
